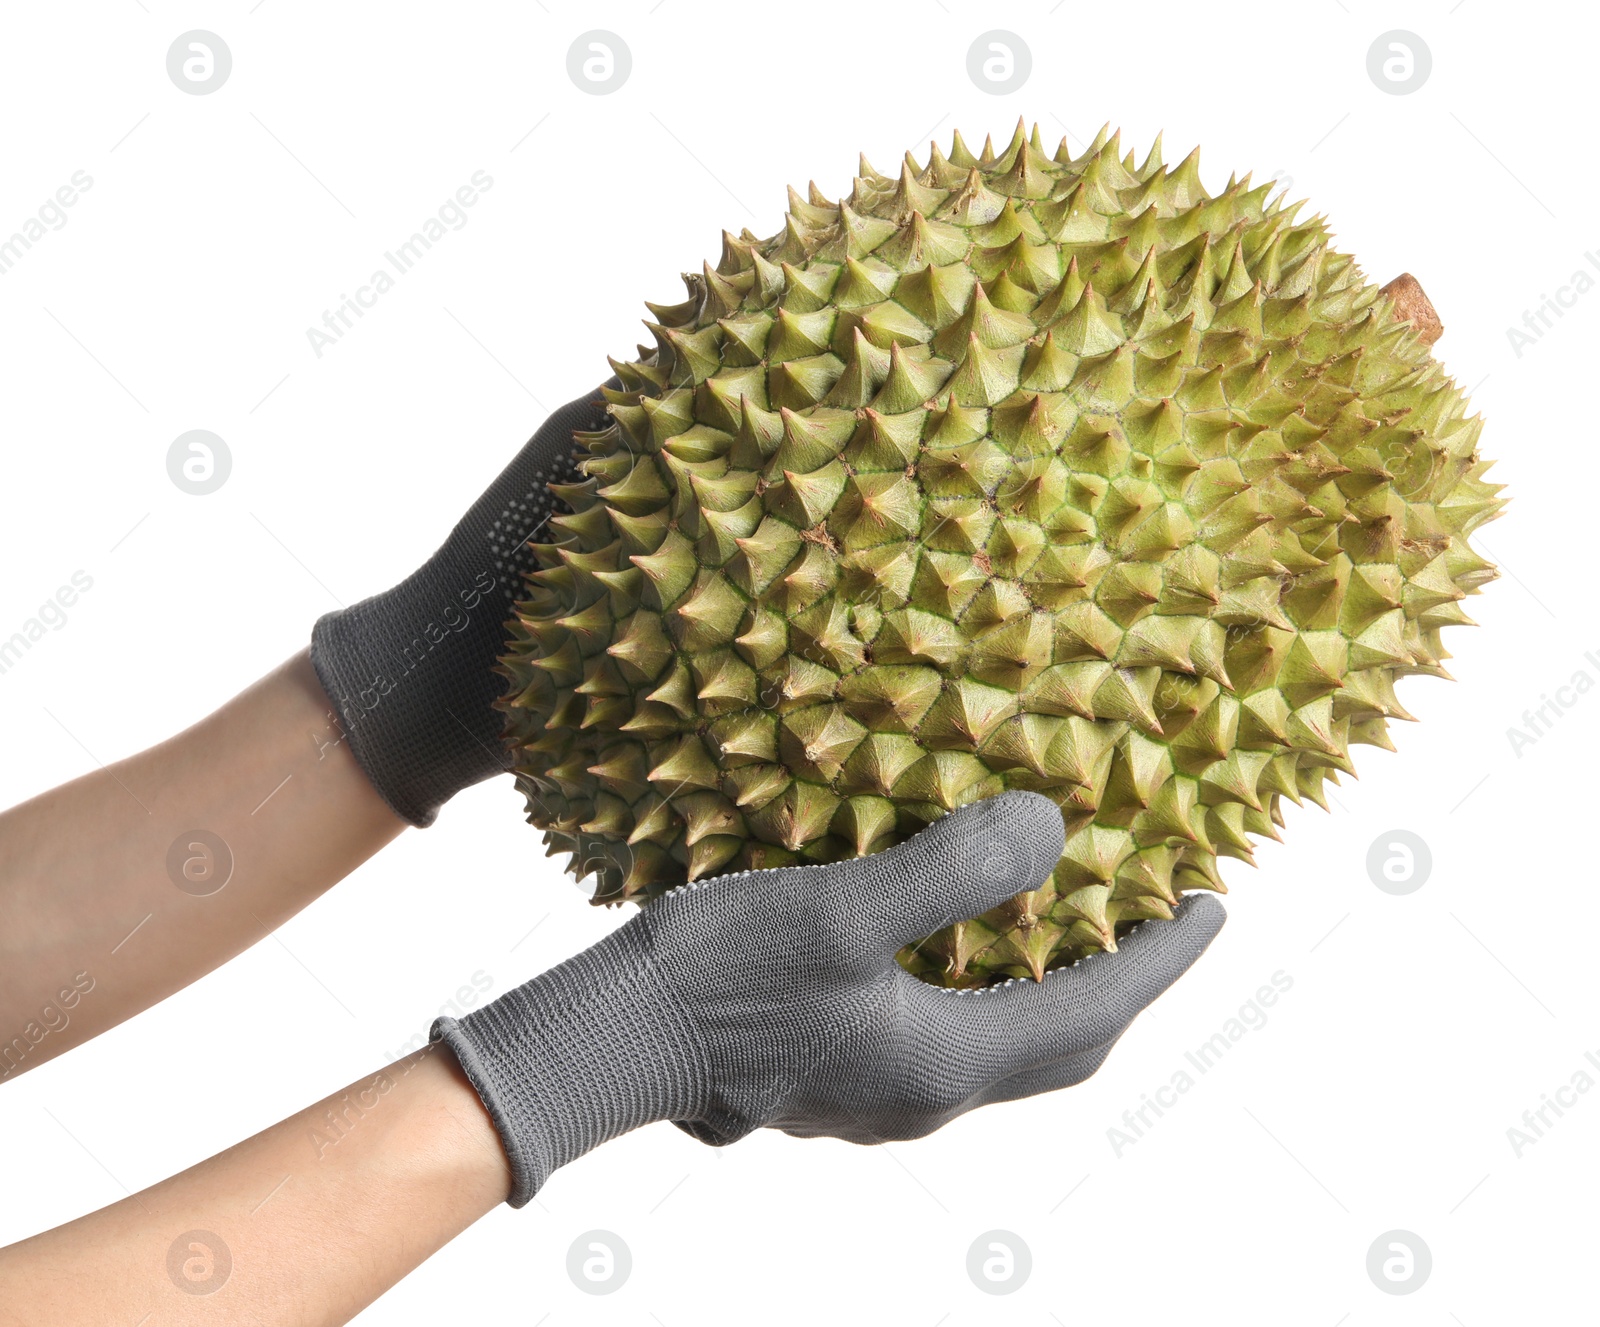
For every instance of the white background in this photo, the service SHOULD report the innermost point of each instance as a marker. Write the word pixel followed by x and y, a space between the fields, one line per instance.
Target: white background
pixel 219 228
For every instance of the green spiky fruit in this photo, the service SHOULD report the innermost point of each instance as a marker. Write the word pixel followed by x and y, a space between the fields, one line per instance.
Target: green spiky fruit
pixel 1008 471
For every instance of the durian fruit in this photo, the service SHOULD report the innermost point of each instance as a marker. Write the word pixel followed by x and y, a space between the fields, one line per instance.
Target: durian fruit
pixel 1008 470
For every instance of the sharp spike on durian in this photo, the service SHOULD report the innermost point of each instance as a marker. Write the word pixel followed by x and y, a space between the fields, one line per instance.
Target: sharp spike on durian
pixel 864 283
pixel 911 194
pixel 985 377
pixel 1152 160
pixel 999 162
pixel 941 172
pixel 960 153
pixel 873 177
pixel 975 204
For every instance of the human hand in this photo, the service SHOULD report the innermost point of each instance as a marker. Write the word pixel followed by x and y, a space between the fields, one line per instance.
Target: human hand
pixel 773 999
pixel 411 670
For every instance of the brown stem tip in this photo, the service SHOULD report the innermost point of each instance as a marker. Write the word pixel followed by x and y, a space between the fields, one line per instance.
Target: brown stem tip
pixel 1412 305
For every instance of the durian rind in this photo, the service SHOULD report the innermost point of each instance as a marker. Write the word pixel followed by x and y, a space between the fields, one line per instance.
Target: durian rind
pixel 1006 471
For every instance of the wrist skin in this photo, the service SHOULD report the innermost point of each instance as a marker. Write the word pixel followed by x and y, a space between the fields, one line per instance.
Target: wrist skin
pixel 308 1221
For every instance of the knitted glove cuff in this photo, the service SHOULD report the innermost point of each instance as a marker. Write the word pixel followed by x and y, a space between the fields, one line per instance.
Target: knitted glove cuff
pixel 420 724
pixel 589 1050
pixel 411 671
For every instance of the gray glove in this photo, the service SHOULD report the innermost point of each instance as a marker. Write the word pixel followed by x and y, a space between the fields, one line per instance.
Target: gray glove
pixel 773 999
pixel 411 670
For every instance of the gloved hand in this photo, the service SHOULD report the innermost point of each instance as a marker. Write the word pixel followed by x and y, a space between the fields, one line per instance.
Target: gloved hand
pixel 773 999
pixel 410 670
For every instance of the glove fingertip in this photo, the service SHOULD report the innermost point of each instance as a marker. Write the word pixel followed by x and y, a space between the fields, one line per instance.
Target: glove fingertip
pixel 1015 839
pixel 962 865
pixel 1158 952
pixel 1200 916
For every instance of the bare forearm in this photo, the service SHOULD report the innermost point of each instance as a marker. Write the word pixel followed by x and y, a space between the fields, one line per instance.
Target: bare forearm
pixel 123 886
pixel 305 1223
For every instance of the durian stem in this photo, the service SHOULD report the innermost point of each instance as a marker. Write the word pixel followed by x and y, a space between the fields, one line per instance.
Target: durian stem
pixel 1412 305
